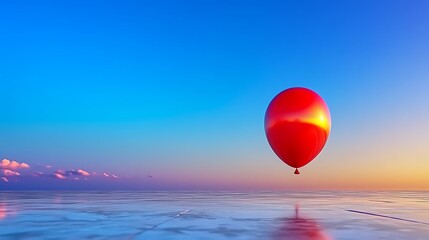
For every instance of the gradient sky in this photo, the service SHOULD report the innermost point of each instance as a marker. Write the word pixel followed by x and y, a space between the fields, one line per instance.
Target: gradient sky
pixel 178 89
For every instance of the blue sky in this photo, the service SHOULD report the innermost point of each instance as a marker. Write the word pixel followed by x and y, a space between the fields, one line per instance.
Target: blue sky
pixel 178 89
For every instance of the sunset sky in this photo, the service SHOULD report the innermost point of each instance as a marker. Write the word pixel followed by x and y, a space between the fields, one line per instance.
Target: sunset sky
pixel 172 94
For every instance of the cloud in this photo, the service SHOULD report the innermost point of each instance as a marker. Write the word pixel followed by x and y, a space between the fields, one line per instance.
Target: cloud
pixel 21 172
pixel 37 174
pixel 58 176
pixel 61 174
pixel 7 164
pixel 83 172
pixel 24 165
pixel 111 175
pixel 78 172
pixel 8 172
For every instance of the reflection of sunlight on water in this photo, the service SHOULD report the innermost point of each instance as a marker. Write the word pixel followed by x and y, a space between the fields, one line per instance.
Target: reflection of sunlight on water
pixel 300 228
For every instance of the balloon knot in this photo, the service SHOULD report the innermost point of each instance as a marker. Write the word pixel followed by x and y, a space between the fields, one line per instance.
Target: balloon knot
pixel 296 171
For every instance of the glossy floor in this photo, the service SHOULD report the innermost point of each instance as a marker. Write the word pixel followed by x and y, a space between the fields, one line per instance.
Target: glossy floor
pixel 214 215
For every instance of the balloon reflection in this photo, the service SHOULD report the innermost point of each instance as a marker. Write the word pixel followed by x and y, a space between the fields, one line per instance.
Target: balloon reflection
pixel 300 228
pixel 3 211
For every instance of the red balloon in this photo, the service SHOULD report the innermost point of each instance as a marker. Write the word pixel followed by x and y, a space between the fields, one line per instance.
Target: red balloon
pixel 297 125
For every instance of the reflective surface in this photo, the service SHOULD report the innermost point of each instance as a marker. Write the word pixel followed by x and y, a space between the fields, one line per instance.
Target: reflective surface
pixel 214 215
pixel 297 125
pixel 301 228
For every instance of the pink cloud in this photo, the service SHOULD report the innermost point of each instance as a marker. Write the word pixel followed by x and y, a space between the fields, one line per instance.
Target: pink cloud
pixel 111 175
pixel 61 174
pixel 17 170
pixel 7 164
pixel 13 164
pixel 58 176
pixel 83 172
pixel 8 172
pixel 4 163
pixel 78 172
pixel 24 165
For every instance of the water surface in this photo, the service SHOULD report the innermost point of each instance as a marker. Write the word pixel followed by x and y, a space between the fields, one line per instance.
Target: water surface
pixel 214 215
